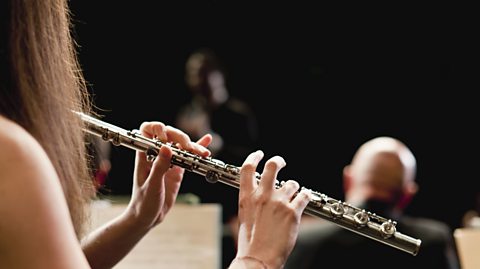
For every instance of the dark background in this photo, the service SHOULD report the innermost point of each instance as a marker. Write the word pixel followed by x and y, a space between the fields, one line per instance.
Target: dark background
pixel 320 80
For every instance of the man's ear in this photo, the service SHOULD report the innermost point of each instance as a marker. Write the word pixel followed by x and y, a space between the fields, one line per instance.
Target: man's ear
pixel 411 188
pixel 347 178
pixel 408 192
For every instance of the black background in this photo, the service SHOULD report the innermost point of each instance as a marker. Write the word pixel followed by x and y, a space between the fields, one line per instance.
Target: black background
pixel 321 81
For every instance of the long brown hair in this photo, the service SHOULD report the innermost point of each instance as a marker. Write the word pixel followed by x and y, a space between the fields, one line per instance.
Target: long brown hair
pixel 40 84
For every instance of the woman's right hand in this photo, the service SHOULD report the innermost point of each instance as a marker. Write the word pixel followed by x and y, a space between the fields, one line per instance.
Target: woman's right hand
pixel 269 218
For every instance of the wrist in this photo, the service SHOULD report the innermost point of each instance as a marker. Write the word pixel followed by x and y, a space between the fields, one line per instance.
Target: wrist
pixel 134 222
pixel 247 262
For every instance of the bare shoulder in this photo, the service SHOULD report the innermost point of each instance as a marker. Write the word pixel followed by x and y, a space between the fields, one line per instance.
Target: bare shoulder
pixel 14 141
pixel 21 153
pixel 25 170
pixel 24 165
pixel 35 211
pixel 8 129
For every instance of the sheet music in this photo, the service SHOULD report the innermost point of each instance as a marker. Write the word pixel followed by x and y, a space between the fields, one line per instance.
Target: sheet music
pixel 468 244
pixel 188 238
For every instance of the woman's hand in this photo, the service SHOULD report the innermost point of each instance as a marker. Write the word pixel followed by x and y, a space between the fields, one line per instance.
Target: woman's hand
pixel 269 218
pixel 156 184
pixel 155 188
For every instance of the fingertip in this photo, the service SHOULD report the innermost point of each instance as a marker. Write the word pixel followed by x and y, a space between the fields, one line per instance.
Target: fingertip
pixel 260 154
pixel 207 137
pixel 143 126
pixel 200 149
pixel 302 199
pixel 294 183
pixel 308 193
pixel 282 161
pixel 204 152
pixel 190 146
pixel 165 152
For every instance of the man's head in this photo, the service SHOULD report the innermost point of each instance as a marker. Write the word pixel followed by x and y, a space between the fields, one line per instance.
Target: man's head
pixel 382 170
pixel 205 77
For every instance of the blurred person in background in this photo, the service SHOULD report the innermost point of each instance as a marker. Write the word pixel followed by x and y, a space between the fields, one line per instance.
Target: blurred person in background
pixel 45 182
pixel 380 179
pixel 233 125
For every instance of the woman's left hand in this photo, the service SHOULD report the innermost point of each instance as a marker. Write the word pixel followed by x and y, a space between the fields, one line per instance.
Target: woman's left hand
pixel 156 184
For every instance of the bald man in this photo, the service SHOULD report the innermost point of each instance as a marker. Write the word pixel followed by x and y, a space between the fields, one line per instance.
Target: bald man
pixel 381 174
pixel 380 179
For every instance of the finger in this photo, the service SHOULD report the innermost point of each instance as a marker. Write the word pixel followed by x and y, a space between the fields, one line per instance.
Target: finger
pixel 176 136
pixel 154 129
pixel 289 189
pixel 301 200
pixel 155 180
pixel 183 140
pixel 142 166
pixel 205 140
pixel 173 181
pixel 200 150
pixel 248 182
pixel 270 172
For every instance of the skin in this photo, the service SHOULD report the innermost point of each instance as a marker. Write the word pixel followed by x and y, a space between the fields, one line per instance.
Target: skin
pixel 38 221
pixel 267 216
pixel 51 242
pixel 382 169
pixel 44 179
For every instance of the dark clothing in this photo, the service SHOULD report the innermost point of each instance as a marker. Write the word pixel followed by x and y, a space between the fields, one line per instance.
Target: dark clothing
pixel 234 121
pixel 329 246
pixel 237 125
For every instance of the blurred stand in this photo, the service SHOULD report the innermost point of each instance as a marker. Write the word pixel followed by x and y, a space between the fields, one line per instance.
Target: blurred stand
pixel 468 245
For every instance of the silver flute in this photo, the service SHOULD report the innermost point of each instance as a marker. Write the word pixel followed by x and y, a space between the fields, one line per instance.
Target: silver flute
pixel 343 214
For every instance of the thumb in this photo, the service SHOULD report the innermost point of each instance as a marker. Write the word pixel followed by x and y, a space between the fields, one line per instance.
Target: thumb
pixel 160 166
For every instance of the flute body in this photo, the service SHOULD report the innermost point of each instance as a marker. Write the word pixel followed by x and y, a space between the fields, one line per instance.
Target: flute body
pixel 352 218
